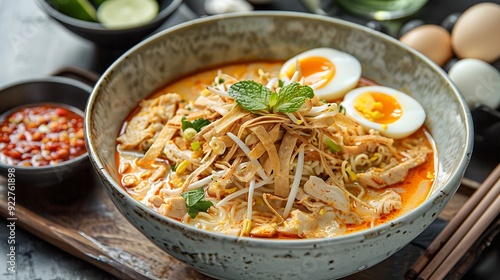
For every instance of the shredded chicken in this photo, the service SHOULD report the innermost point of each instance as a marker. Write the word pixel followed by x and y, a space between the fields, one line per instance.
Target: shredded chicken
pixel 367 144
pixel 379 178
pixel 329 194
pixel 174 207
pixel 298 224
pixel 266 230
pixel 142 126
pixel 389 202
pixel 175 154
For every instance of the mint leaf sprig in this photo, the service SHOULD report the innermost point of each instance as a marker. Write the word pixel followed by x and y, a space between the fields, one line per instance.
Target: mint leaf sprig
pixel 254 97
pixel 196 202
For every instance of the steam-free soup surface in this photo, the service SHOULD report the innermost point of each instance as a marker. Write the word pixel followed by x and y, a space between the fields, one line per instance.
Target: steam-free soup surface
pixel 193 154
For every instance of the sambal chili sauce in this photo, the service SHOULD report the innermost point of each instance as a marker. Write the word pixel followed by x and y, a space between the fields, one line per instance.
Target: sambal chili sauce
pixel 41 135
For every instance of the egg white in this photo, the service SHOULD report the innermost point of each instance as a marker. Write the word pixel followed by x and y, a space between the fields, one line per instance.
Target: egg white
pixel 347 72
pixel 411 119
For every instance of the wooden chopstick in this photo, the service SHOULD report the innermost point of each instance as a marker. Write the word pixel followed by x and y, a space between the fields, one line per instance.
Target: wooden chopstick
pixel 478 220
pixel 454 224
pixel 467 241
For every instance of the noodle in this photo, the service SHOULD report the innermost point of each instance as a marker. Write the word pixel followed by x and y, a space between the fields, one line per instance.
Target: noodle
pixel 310 173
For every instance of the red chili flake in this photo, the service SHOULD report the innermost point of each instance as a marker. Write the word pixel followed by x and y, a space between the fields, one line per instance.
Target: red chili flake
pixel 46 128
pixel 61 112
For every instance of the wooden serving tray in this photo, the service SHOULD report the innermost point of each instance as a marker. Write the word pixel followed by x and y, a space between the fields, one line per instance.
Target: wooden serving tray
pixel 79 218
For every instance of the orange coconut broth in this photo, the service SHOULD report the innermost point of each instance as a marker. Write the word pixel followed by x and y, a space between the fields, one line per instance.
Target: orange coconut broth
pixel 417 185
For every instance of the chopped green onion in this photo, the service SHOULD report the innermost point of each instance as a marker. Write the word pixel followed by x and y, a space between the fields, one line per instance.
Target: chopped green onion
pixel 189 133
pixel 334 148
pixel 195 145
pixel 342 109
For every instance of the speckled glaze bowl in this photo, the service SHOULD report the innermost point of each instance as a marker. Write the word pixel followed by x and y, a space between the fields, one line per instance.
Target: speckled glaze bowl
pixel 212 41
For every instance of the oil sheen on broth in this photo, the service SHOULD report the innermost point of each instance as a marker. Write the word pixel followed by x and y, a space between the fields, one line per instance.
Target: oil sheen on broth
pixel 370 180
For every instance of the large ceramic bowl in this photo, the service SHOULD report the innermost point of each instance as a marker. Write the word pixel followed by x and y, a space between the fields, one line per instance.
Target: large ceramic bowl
pixel 213 41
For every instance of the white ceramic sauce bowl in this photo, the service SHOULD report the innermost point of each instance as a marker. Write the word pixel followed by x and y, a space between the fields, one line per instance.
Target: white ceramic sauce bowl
pixel 213 41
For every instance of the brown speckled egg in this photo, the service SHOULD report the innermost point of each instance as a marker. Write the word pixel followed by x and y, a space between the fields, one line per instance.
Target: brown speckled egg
pixel 431 40
pixel 476 33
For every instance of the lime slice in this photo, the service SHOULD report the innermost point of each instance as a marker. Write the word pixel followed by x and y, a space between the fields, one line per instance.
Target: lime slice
pixel 118 14
pixel 79 9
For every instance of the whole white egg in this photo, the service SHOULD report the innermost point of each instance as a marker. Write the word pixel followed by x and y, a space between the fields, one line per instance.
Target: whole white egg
pixel 391 112
pixel 336 71
pixel 478 81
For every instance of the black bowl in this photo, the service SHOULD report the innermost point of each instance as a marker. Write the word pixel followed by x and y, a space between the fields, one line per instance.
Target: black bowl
pixel 59 90
pixel 111 38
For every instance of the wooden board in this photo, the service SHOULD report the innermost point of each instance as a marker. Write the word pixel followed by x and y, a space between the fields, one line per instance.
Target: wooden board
pixel 79 218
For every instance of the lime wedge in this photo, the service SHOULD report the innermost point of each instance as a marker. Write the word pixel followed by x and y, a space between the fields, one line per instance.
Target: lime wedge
pixel 97 2
pixel 119 14
pixel 79 9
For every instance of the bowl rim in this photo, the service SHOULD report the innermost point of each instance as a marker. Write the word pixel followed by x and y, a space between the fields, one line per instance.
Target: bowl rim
pixel 57 80
pixel 97 27
pixel 448 189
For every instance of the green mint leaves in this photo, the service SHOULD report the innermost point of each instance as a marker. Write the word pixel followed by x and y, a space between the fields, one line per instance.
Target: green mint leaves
pixel 197 124
pixel 195 202
pixel 253 97
pixel 292 97
pixel 250 95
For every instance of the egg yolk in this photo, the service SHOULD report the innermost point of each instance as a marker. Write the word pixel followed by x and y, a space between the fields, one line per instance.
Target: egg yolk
pixel 314 69
pixel 378 107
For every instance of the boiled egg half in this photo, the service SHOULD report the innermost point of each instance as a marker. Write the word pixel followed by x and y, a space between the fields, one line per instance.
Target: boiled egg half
pixel 334 72
pixel 391 112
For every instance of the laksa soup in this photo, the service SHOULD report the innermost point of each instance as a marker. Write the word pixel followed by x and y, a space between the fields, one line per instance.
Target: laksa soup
pixel 302 149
